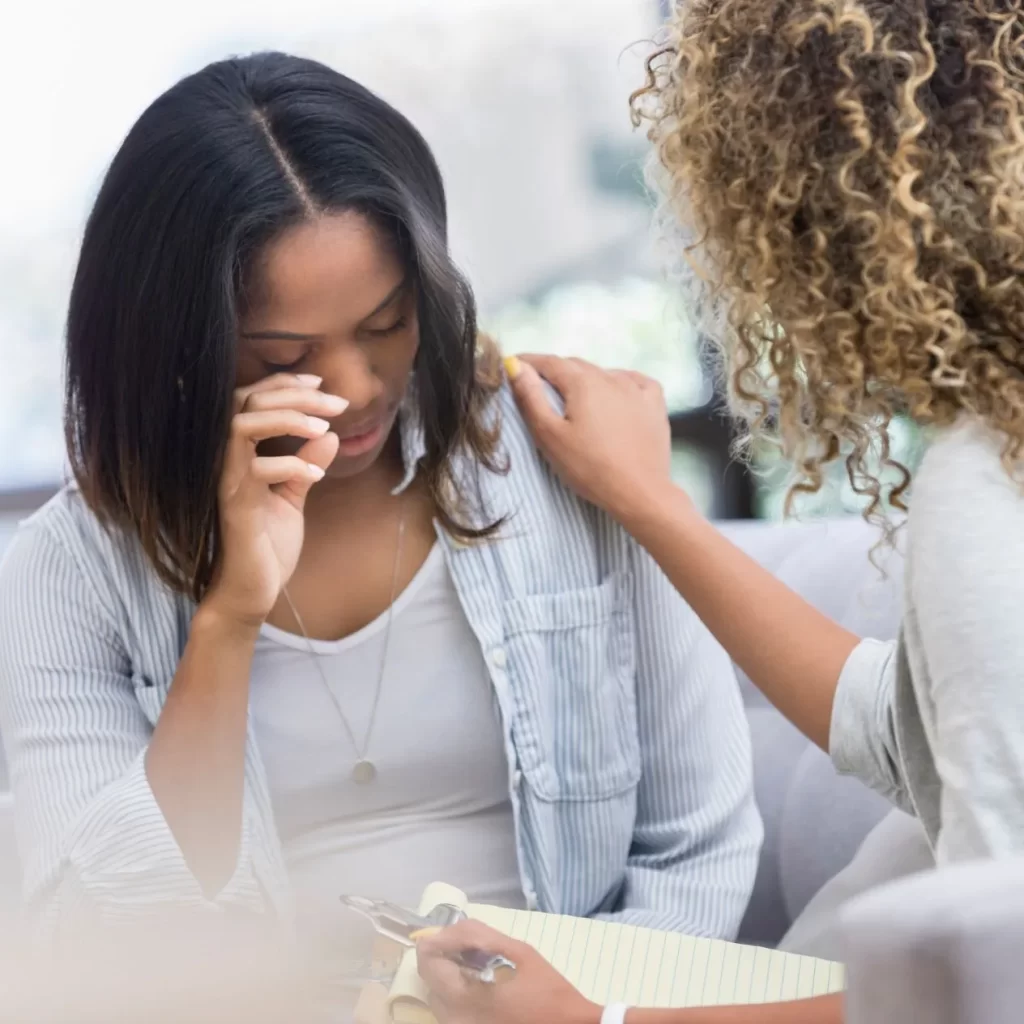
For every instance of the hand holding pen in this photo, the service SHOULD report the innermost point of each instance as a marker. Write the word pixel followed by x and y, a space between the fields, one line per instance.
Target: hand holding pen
pixel 406 928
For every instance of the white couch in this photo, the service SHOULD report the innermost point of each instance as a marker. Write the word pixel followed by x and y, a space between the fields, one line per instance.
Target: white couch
pixel 943 947
pixel 814 820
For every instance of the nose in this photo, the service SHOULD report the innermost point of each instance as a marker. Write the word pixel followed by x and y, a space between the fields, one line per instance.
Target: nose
pixel 347 371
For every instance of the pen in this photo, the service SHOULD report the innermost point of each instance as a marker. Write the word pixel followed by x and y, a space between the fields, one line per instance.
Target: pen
pixel 404 927
pixel 481 963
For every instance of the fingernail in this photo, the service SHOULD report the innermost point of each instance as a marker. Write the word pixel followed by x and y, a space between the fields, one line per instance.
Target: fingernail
pixel 423 933
pixel 315 471
pixel 512 367
pixel 310 378
pixel 317 424
pixel 336 402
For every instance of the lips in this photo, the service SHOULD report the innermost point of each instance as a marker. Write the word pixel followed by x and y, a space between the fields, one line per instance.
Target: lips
pixel 361 430
pixel 360 439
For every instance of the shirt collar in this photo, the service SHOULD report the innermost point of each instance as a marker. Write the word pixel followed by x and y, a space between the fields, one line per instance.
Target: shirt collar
pixel 414 449
pixel 414 443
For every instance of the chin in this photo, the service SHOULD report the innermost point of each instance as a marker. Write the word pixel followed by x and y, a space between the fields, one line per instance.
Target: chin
pixel 346 468
pixel 347 465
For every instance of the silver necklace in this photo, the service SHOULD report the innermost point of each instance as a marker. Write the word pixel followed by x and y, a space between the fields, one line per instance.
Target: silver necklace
pixel 364 771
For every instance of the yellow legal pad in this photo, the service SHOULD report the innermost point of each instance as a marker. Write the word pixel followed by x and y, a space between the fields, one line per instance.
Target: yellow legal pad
pixel 616 963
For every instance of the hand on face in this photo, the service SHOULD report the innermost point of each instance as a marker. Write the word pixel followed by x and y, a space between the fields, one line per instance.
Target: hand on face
pixel 262 497
pixel 331 297
pixel 612 444
pixel 536 992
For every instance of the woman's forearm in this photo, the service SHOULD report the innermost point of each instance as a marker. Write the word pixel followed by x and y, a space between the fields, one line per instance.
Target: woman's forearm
pixel 791 652
pixel 195 763
pixel 823 1010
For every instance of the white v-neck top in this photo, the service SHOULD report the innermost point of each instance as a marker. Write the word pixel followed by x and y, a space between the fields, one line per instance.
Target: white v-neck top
pixel 439 809
pixel 632 782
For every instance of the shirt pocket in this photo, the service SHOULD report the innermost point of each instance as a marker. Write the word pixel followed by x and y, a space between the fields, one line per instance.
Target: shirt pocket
pixel 572 665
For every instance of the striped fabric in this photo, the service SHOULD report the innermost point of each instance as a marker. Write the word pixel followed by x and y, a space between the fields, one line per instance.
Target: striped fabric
pixel 630 761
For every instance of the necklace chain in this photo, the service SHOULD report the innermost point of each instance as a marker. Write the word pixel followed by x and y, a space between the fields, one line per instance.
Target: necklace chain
pixel 364 770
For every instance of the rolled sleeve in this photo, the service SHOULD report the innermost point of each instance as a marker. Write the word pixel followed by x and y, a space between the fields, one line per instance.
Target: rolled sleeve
pixel 122 854
pixel 92 838
pixel 862 736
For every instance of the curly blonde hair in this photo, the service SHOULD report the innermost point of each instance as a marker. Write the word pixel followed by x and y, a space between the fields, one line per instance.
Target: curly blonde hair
pixel 853 172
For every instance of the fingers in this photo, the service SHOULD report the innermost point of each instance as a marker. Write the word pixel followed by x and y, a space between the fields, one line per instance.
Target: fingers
pixel 306 468
pixel 321 451
pixel 568 374
pixel 254 427
pixel 562 374
pixel 467 935
pixel 448 983
pixel 275 382
pixel 446 980
pixel 285 469
pixel 636 379
pixel 282 405
pixel 308 400
pixel 291 476
pixel 534 401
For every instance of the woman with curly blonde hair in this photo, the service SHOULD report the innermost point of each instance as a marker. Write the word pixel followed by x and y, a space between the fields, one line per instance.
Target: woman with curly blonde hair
pixel 851 176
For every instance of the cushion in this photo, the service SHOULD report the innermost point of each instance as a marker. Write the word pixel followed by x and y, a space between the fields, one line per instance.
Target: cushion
pixel 895 848
pixel 942 947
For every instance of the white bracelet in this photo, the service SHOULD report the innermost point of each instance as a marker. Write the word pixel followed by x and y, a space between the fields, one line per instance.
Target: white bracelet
pixel 614 1014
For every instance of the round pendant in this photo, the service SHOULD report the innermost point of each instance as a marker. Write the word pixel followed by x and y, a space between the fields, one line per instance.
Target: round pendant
pixel 364 772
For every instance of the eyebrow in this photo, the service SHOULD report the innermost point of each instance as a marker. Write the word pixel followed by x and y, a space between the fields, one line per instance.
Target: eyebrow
pixel 292 336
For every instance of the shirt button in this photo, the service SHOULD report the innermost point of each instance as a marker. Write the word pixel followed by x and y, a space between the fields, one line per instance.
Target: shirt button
pixel 517 779
pixel 499 659
pixel 531 899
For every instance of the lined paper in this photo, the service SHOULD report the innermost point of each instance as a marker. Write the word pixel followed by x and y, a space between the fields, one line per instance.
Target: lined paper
pixel 615 963
pixel 624 964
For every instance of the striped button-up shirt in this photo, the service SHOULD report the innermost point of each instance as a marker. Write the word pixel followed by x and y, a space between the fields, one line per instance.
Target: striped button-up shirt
pixel 629 756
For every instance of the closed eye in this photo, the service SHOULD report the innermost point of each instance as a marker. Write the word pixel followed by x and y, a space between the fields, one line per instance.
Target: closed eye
pixel 383 332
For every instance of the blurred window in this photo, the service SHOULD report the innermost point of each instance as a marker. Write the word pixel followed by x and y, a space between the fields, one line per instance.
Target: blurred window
pixel 525 105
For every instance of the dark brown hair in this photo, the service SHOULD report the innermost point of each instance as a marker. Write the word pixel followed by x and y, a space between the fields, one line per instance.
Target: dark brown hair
pixel 216 168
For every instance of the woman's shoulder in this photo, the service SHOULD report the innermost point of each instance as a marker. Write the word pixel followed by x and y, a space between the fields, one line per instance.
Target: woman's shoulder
pixel 67 522
pixel 963 473
pixel 539 506
pixel 966 509
pixel 515 433
pixel 63 542
pixel 525 467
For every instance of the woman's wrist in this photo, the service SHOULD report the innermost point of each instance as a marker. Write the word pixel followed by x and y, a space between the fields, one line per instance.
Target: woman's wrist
pixel 657 508
pixel 219 622
pixel 577 1010
pixel 590 1013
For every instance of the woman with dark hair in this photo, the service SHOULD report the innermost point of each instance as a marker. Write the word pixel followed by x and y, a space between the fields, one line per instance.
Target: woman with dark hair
pixel 314 617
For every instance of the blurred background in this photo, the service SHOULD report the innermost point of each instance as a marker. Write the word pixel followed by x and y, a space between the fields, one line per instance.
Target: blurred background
pixel 525 103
